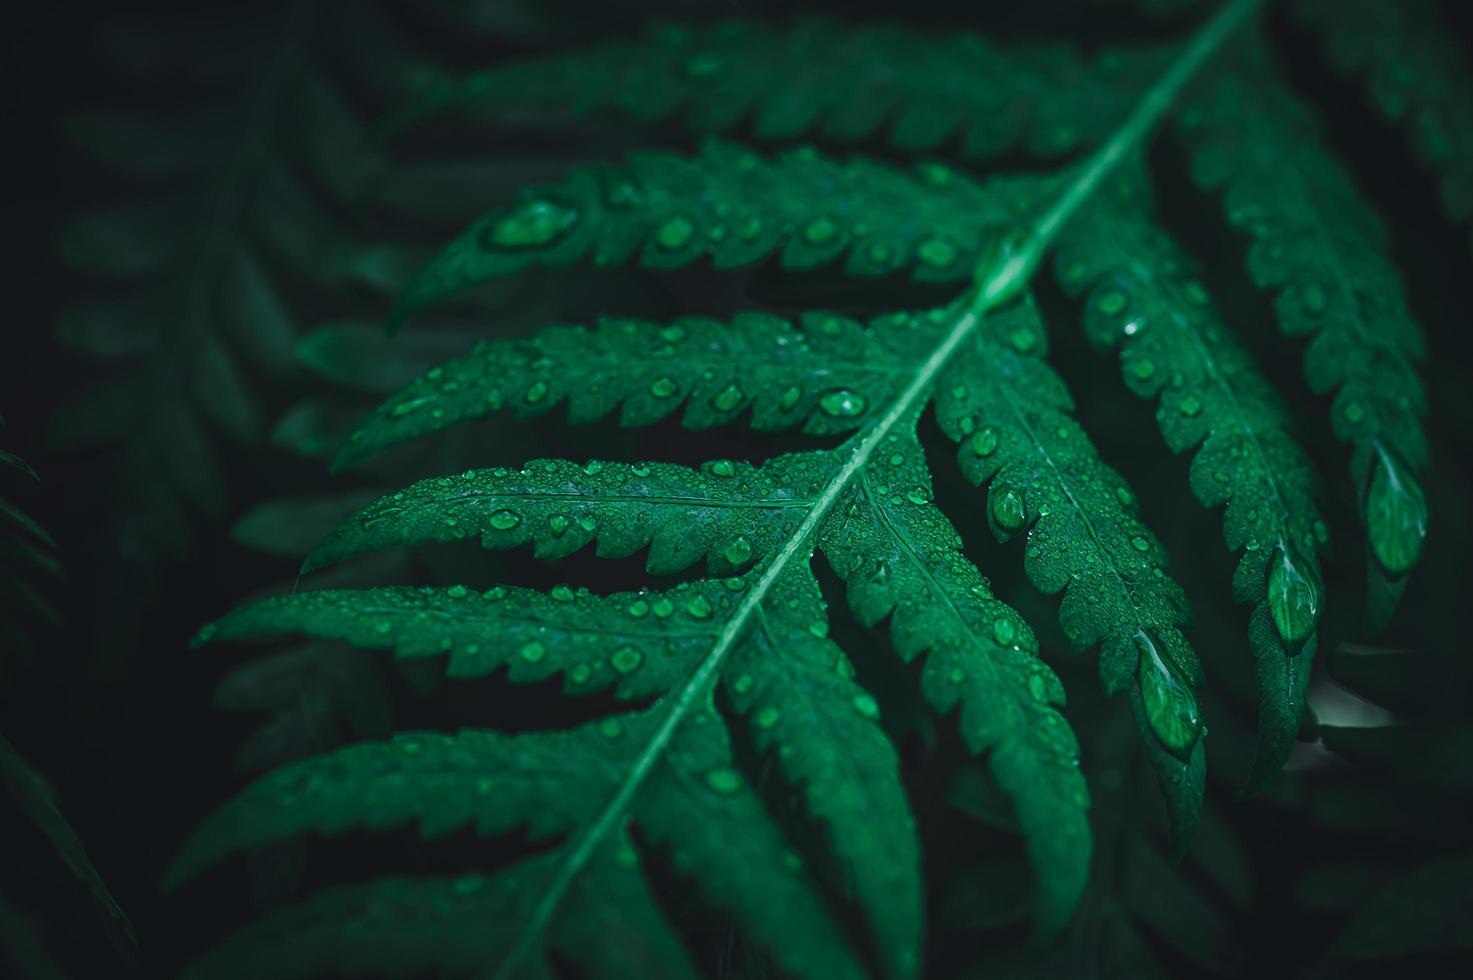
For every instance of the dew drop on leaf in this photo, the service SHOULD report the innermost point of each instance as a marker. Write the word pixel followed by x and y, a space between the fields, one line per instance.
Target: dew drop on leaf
pixel 738 551
pixel 504 520
pixel 675 232
pixel 1171 707
pixel 626 660
pixel 842 403
pixel 1396 514
pixel 532 224
pixel 727 399
pixel 724 781
pixel 1007 510
pixel 663 387
pixel 1293 598
pixel 532 652
pixel 937 252
pixel 984 441
pixel 820 232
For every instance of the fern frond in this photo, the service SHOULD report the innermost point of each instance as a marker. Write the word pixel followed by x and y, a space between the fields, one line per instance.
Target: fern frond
pixel 830 80
pixel 867 506
pixel 696 804
pixel 1012 416
pixel 1416 76
pixel 1144 300
pixel 665 211
pixel 824 372
pixel 1318 242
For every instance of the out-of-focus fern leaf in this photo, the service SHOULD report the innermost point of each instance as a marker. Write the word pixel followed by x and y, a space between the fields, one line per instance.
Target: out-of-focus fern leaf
pixel 194 305
pixel 1144 299
pixel 1318 242
pixel 819 77
pixel 1416 75
pixel 666 211
pixel 36 797
pixel 27 552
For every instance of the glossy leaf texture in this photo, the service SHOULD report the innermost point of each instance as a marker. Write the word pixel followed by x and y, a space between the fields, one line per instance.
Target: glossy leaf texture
pixel 664 211
pixel 1144 300
pixel 1320 246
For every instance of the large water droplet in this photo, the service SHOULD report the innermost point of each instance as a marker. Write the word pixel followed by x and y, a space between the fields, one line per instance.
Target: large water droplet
pixel 727 399
pixel 738 551
pixel 1007 510
pixel 1396 513
pixel 984 441
pixel 675 232
pixel 504 520
pixel 626 660
pixel 820 232
pixel 532 652
pixel 842 403
pixel 532 223
pixel 1293 597
pixel 1171 707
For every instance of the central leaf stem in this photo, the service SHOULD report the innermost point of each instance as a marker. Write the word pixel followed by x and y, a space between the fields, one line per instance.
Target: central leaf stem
pixel 996 281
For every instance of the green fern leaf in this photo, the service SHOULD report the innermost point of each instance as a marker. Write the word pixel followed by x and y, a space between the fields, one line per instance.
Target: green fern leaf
pixel 824 374
pixel 665 211
pixel 1416 76
pixel 1318 242
pixel 866 506
pixel 839 82
pixel 1012 419
pixel 1144 299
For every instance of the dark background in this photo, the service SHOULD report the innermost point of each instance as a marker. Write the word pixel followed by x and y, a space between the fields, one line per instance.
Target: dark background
pixel 120 715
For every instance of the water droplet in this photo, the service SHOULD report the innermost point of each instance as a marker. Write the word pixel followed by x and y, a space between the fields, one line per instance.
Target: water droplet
pixel 558 524
pixel 1355 412
pixel 917 495
pixel 842 403
pixel 504 520
pixel 407 407
pixel 1038 688
pixel 536 392
pixel 727 399
pixel 626 660
pixel 1142 368
pixel 663 607
pixel 1111 302
pixel 1314 298
pixel 663 387
pixel 984 441
pixel 638 608
pixel 866 706
pixel 532 223
pixel 820 232
pixel 1190 406
pixel 937 252
pixel 724 781
pixel 611 728
pixel 1124 495
pixel 789 399
pixel 698 606
pixel 880 253
pixel 1140 544
pixel 1004 631
pixel 562 593
pixel 675 232
pixel 766 717
pixel 1023 339
pixel 1293 598
pixel 724 468
pixel 743 684
pixel 532 652
pixel 738 551
pixel 1007 510
pixel 1171 707
pixel 457 592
